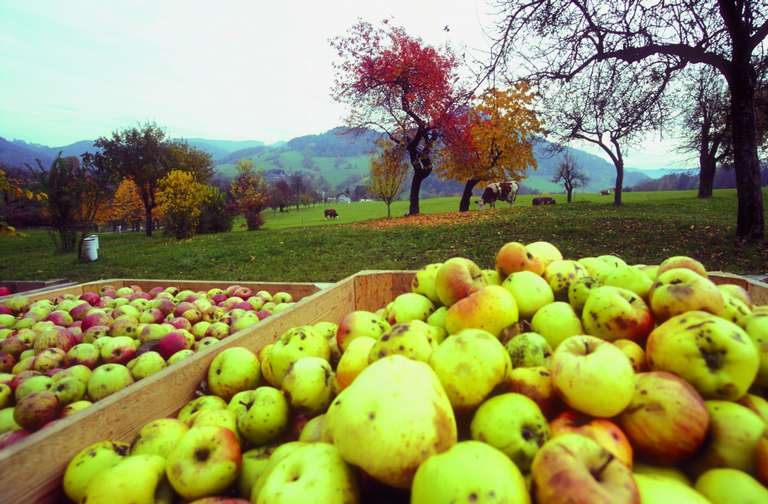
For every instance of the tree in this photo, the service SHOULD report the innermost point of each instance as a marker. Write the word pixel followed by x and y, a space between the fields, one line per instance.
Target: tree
pixel 570 175
pixel 127 205
pixel 387 173
pixel 727 35
pixel 13 192
pixel 250 194
pixel 296 181
pixel 403 87
pixel 182 156
pixel 491 141
pixel 280 194
pixel 180 197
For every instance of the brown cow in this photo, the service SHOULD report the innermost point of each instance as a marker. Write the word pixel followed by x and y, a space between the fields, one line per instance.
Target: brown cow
pixel 545 200
pixel 330 213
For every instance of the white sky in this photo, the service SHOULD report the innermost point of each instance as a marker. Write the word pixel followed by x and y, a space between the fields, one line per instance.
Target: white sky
pixel 229 69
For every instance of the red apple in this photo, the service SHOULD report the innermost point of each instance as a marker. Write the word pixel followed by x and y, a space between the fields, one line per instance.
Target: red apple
pixel 171 343
pixel 604 432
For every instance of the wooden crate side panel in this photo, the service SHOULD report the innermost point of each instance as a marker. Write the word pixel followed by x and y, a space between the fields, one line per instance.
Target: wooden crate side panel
pixel 757 290
pixel 374 289
pixel 39 460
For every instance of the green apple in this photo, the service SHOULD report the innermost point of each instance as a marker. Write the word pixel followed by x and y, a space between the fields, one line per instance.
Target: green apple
pixel 424 281
pixel 724 486
pixel 492 277
pixel 735 310
pixel 530 291
pixel 218 330
pixel 133 480
pixel 468 470
pixel 146 364
pixel 470 365
pixel 630 278
pixel 83 353
pixel 593 376
pixel 295 343
pixel 684 262
pixel 353 361
pixel 514 424
pixel 33 384
pixel 152 332
pixel 220 418
pixel 410 306
pixel 457 278
pixel 267 417
pixel 313 430
pixel 180 356
pixel 69 390
pixel 232 371
pixel 309 385
pixel 6 395
pixel 613 313
pixel 757 329
pixel 561 274
pixel 661 489
pixel 254 463
pixel 681 290
pixel 72 408
pixel 556 322
pixel 412 339
pixel 529 349
pixel 89 463
pixel 201 403
pixel 7 422
pixel 714 355
pixel 206 461
pixel 492 308
pixel 360 323
pixel 200 329
pixel 246 320
pixel 391 418
pixel 737 291
pixel 108 379
pixel 158 437
pixel 241 402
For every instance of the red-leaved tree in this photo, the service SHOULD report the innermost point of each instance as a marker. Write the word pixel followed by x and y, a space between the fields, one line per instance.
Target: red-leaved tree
pixel 397 84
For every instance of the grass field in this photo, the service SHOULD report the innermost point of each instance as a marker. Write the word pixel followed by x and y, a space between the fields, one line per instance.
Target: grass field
pixel 299 246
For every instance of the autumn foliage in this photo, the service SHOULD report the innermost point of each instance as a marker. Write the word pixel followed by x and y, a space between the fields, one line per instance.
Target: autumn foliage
pixel 250 194
pixel 127 205
pixel 179 198
pixel 388 171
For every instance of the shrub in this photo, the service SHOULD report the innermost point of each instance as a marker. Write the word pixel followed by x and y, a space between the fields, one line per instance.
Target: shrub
pixel 250 194
pixel 216 214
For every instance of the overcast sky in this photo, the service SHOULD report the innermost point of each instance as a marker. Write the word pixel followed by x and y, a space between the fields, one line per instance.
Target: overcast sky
pixel 230 69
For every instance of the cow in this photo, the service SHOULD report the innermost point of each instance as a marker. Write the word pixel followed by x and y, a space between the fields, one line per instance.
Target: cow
pixel 605 192
pixel 544 200
pixel 504 191
pixel 330 213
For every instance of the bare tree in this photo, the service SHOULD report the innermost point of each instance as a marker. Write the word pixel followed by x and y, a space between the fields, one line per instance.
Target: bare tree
pixel 570 175
pixel 727 35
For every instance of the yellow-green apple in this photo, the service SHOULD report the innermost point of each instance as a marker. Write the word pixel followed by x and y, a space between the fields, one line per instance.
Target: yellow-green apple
pixel 179 356
pixel 118 350
pixel 492 308
pixel 278 454
pixel 561 274
pixel 254 463
pixel 735 310
pixel 152 332
pixel 30 385
pixel 308 385
pixel 150 316
pixel 635 353
pixel 282 297
pixel 714 355
pixel 738 292
pixel 612 260
pixel 761 460
pixel 89 463
pixel 684 262
pixel 530 291
pixel 206 461
pixel 757 329
pixel 353 360
pixel 725 486
pixel 133 480
pixel 529 349
pixel 69 390
pixel 124 325
pixel 391 418
pixel 241 402
pixel 108 379
pixel 667 420
pixel 630 278
pixel 734 431
pixel 204 343
pixel 514 424
pixel 199 329
pixel 267 417
pixel 218 418
pixel 578 292
pixel 218 330
pixel 410 306
pixel 556 322
pixel 424 281
pixel 574 468
pixel 311 473
pixel 36 409
pixel 513 257
pixel 593 376
pixel 662 489
pixel 6 395
pixel 199 404
pixel 604 432
pixel 159 437
pixel 295 343
pixel 756 404
pixel 457 278
pixel 680 290
pixel 492 277
pixel 469 471
pixel 669 472
pixel 470 365
pixel 413 339
pixel 7 423
pixel 244 321
pixel 233 370
pixel 597 268
pixel 360 323
pixel 83 353
pixel 49 359
pixel 312 432
pixel 651 271
pixel 72 408
pixel 613 313
pixel 545 251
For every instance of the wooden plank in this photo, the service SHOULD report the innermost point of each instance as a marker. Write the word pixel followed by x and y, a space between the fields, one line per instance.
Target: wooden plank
pixel 757 290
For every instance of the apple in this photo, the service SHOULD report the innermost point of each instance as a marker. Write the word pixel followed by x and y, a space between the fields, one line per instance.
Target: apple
pixel 757 329
pixel 88 463
pixel 108 379
pixel 574 468
pixel 201 403
pixel 514 424
pixel 738 292
pixel 173 342
pixel 492 308
pixel 529 349
pixel 761 460
pixel 241 402
pixel 50 358
pixel 36 409
pixel 561 274
pixel 390 419
pixel 530 291
pixel 514 256
pixel 31 385
pixel 468 470
pixel 492 277
pixel 545 251
pixel 457 278
pixel 724 486
pixel 7 422
pixel 179 356
pixel 684 262
pixel 6 395
pixel 180 323
pixel 282 297
pixel 69 390
pixel 146 364
pixel 17 303
pixel 680 290
pixel 308 385
pixel 613 313
pixel 410 306
pixel 756 404
pixel 735 310
pixel 302 341
pixel 266 419
pixel 95 332
pixel 218 330
pixel 218 418
pixel 470 365
pixel 60 318
pixel 556 322
pixel 153 332
pixel 74 407
pixel 604 432
pixel 254 463
pixel 536 384
pixel 312 432
pixel 204 343
pixel 233 370
pixel 714 355
pixel 581 367
pixel 658 488
pixel 630 278
pixel 118 350
pixel 133 480
pixel 413 339
pixel 353 361
pixel 635 353
pixel 244 321
pixel 424 281
pixel 83 353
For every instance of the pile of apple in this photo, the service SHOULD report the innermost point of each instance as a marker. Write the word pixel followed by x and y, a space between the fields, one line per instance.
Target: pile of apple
pixel 545 380
pixel 59 355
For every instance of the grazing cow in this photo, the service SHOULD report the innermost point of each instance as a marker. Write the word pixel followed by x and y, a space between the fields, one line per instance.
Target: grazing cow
pixel 330 213
pixel 605 192
pixel 545 200
pixel 504 191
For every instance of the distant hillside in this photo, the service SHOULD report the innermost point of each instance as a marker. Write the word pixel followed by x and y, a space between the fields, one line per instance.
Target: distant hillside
pixel 724 179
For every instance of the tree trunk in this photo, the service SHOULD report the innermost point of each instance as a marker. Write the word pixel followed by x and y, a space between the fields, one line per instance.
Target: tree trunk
pixel 707 166
pixel 569 193
pixel 148 221
pixel 466 196
pixel 619 183
pixel 750 222
pixel 418 177
pixel 389 213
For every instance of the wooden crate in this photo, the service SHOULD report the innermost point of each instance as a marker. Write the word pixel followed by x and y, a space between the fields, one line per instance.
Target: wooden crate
pixel 31 470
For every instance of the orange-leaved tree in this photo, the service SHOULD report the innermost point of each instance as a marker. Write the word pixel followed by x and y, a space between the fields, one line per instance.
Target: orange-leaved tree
pixel 491 141
pixel 388 171
pixel 127 205
pixel 250 193
pixel 180 197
